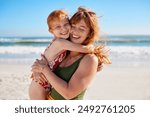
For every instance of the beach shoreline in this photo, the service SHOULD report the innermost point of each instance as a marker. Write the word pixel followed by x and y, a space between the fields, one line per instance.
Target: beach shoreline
pixel 112 83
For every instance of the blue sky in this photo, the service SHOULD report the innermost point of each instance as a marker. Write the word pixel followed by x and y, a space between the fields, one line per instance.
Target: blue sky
pixel 119 17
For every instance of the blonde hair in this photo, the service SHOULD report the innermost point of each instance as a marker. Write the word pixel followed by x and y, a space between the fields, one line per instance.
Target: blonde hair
pixel 56 15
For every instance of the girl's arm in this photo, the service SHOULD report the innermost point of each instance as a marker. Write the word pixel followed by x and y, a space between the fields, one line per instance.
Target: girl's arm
pixel 60 45
pixel 78 82
pixel 68 45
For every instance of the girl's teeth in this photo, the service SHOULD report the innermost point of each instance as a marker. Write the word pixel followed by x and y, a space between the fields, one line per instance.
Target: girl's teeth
pixel 64 33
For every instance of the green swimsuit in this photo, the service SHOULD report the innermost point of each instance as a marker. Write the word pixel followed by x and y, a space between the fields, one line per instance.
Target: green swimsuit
pixel 66 73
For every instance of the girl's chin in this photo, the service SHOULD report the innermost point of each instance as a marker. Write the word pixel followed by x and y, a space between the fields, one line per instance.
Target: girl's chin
pixel 65 37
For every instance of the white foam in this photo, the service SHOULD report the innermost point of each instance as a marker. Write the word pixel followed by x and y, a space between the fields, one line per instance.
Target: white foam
pixel 25 40
pixel 128 54
pixel 21 49
pixel 130 51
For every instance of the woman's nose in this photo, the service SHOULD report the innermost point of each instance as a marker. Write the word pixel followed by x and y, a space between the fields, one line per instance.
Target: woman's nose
pixel 74 31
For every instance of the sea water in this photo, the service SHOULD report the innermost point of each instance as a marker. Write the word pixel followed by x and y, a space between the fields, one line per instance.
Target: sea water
pixel 125 48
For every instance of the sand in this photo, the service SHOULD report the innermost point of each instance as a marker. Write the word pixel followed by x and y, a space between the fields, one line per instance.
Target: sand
pixel 121 83
pixel 14 81
pixel 112 83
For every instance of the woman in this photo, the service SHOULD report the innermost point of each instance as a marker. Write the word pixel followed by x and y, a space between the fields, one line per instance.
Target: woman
pixel 71 79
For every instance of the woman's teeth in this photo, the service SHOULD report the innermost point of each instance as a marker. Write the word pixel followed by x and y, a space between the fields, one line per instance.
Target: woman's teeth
pixel 74 36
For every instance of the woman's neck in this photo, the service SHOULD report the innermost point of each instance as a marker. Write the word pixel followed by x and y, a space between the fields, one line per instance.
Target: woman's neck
pixel 70 59
pixel 73 54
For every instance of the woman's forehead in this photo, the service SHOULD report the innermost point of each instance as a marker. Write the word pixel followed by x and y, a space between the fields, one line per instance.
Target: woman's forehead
pixel 80 22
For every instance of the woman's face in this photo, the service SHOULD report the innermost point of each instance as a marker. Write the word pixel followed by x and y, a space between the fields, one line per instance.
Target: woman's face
pixel 79 32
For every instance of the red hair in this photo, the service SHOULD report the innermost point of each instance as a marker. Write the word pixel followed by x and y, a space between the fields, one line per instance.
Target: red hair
pixel 90 19
pixel 56 15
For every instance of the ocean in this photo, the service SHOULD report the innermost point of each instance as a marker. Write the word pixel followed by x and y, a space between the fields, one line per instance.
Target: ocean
pixel 126 48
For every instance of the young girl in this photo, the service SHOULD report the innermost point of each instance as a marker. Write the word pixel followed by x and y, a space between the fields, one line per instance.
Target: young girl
pixel 59 26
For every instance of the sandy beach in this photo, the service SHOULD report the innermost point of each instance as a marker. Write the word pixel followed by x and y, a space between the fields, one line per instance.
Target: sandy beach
pixel 113 82
pixel 121 83
pixel 14 81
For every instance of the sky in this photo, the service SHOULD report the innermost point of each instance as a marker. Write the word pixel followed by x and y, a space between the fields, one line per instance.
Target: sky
pixel 119 17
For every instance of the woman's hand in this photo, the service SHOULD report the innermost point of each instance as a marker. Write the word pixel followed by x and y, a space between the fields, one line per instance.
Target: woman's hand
pixel 39 66
pixel 39 77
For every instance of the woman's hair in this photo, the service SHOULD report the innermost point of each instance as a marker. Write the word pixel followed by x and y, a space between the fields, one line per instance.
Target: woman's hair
pixel 90 19
pixel 56 15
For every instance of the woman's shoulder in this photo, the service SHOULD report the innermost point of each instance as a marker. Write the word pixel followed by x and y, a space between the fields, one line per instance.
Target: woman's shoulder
pixel 88 64
pixel 90 58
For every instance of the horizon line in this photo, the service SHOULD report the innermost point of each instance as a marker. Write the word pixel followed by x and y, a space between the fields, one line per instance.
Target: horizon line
pixel 100 36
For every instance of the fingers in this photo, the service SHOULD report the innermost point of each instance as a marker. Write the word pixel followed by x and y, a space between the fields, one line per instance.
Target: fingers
pixel 41 80
pixel 35 68
pixel 38 78
pixel 99 68
pixel 36 75
pixel 35 63
pixel 39 66
pixel 43 77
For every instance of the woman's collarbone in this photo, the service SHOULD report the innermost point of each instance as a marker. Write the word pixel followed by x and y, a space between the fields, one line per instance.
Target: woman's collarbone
pixel 69 61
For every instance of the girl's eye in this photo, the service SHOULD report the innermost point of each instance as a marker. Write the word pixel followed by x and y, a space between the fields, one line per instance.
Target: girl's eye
pixel 57 27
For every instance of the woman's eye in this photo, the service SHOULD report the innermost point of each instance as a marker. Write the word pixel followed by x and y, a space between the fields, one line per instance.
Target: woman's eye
pixel 73 27
pixel 82 30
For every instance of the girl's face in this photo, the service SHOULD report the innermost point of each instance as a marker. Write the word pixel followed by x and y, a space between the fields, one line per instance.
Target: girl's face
pixel 79 32
pixel 61 29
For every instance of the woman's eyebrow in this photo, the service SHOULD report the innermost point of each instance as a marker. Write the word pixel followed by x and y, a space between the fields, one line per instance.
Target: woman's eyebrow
pixel 83 27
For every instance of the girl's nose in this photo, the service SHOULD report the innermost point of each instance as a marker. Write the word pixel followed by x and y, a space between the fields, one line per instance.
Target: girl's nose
pixel 63 29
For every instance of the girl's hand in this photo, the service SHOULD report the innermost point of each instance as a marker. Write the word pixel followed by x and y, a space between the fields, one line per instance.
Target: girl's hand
pixel 100 67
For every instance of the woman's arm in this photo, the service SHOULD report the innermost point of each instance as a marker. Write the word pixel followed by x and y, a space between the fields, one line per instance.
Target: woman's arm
pixel 79 81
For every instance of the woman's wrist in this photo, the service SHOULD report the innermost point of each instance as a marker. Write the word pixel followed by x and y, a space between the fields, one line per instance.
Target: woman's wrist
pixel 46 69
